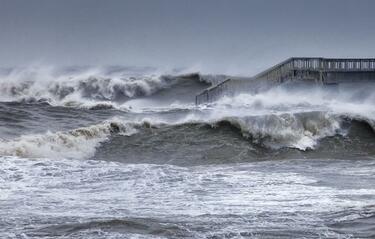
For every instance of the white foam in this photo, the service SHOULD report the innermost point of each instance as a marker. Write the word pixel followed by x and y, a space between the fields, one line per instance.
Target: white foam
pixel 267 194
pixel 358 100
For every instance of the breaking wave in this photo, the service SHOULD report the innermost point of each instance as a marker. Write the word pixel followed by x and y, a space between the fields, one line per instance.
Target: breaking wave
pixel 77 143
pixel 90 87
pixel 296 118
pixel 300 131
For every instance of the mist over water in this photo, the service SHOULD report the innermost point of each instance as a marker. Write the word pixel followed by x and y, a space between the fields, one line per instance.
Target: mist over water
pixel 124 152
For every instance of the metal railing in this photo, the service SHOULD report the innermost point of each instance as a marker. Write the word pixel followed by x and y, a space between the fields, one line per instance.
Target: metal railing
pixel 316 64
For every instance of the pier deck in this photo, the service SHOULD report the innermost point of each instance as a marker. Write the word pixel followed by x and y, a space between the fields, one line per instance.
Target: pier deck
pixel 324 71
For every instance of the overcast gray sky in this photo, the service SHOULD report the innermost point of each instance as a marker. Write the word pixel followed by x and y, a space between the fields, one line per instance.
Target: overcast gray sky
pixel 217 35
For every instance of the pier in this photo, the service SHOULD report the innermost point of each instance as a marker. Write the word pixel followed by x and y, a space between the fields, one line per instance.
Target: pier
pixel 322 71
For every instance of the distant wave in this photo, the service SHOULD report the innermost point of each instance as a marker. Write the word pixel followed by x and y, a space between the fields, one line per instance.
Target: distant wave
pixel 89 88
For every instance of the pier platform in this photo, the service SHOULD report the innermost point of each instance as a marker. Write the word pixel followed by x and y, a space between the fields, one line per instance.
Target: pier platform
pixel 322 71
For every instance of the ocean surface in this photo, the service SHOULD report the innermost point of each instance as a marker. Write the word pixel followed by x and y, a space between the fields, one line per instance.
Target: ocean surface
pixel 121 152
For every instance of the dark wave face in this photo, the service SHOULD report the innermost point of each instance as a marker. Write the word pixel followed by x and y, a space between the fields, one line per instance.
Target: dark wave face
pixel 125 153
pixel 225 144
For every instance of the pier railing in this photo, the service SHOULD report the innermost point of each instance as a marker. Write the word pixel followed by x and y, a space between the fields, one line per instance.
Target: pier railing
pixel 285 68
pixel 226 87
pixel 292 69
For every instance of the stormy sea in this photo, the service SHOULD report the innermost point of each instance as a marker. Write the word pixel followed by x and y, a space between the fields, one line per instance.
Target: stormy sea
pixel 124 152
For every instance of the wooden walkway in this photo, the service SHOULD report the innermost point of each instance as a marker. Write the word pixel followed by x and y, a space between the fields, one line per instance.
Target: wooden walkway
pixel 317 70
